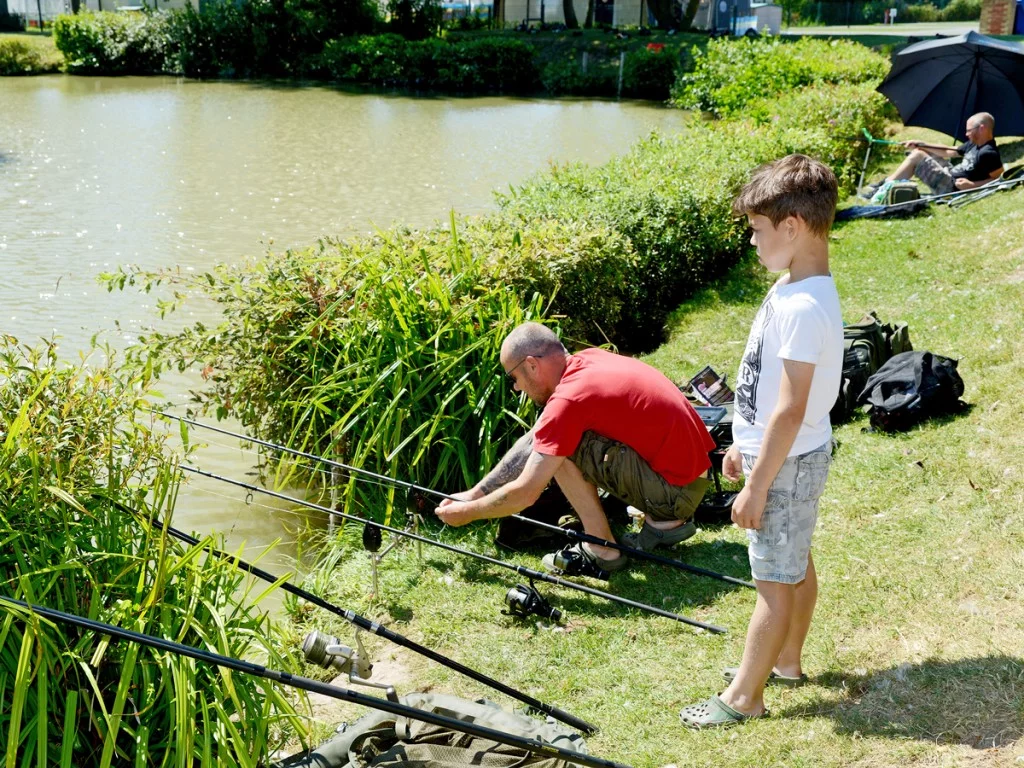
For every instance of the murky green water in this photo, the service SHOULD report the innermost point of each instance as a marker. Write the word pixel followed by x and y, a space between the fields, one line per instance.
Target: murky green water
pixel 96 172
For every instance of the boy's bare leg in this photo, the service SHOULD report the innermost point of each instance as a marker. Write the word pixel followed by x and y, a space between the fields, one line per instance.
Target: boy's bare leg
pixel 805 597
pixel 766 635
pixel 584 499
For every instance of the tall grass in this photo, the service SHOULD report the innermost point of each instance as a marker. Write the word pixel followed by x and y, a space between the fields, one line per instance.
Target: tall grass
pixel 71 455
pixel 381 353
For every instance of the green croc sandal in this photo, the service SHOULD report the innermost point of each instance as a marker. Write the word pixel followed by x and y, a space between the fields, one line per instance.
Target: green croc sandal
pixel 729 673
pixel 714 713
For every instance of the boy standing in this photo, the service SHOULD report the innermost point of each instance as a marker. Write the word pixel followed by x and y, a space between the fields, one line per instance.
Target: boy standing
pixel 782 438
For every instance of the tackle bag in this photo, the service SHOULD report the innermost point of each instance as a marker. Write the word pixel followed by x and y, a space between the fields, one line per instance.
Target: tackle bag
pixel 911 387
pixel 382 740
pixel 867 345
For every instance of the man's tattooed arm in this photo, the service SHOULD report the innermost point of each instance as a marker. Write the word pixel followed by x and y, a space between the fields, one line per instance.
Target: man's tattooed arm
pixel 510 466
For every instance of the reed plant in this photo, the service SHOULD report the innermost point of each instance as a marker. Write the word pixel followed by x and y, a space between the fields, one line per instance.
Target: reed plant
pixel 86 490
pixel 379 352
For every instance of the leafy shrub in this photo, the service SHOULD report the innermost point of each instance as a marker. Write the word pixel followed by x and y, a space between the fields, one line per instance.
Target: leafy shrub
pixel 22 57
pixel 565 77
pixel 649 74
pixel 376 351
pixel 961 10
pixel 486 64
pixel 113 43
pixel 672 197
pixel 730 73
pixel 72 453
pixel 823 121
pixel 918 12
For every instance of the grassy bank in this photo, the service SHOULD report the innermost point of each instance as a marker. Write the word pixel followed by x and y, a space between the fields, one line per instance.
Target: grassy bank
pixel 28 54
pixel 915 656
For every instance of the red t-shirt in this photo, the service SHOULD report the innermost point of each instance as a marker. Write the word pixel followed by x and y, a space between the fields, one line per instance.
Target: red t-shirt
pixel 628 401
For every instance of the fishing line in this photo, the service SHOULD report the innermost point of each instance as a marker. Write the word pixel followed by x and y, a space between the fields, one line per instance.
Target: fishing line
pixel 494 561
pixel 633 552
pixel 297 681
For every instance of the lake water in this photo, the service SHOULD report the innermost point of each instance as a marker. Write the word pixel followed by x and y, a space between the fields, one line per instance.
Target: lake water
pixel 159 172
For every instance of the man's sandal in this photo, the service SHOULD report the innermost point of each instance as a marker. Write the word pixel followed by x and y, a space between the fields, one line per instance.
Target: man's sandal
pixel 729 673
pixel 714 713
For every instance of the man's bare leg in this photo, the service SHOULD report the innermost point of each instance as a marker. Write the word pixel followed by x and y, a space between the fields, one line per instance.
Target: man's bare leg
pixel 906 169
pixel 804 599
pixel 584 499
pixel 766 635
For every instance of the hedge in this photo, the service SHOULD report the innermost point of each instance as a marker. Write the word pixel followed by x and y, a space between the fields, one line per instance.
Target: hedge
pixel 728 74
pixel 24 57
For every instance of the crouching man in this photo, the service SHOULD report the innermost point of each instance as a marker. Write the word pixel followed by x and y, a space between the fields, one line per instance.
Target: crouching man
pixel 608 422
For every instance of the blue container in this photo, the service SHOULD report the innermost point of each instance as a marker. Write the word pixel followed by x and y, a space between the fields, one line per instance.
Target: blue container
pixel 1018 25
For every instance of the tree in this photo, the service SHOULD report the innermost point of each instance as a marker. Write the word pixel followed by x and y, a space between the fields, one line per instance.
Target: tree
pixel 569 12
pixel 667 13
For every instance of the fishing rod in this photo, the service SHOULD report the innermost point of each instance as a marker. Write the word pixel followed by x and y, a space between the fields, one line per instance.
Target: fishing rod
pixel 371 626
pixel 530 574
pixel 573 535
pixel 536 746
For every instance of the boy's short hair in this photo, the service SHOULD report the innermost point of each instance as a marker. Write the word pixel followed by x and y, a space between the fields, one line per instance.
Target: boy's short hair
pixel 795 185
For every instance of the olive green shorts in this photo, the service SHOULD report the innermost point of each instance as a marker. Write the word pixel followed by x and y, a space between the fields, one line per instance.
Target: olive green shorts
pixel 622 472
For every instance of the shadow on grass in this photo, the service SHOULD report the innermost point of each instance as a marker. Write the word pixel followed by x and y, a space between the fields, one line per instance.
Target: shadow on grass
pixel 976 702
pixel 1012 151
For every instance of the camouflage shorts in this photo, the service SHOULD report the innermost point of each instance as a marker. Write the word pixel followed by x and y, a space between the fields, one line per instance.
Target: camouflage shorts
pixel 779 548
pixel 622 472
pixel 936 174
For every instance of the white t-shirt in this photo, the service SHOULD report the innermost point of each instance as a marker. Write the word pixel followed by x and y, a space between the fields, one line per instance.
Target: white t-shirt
pixel 800 322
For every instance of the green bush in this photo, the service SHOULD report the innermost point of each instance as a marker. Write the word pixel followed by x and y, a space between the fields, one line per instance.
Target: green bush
pixel 649 74
pixel 74 451
pixel 824 121
pixel 565 77
pixel 381 352
pixel 22 57
pixel 730 73
pixel 486 64
pixel 111 43
pixel 961 10
pixel 912 13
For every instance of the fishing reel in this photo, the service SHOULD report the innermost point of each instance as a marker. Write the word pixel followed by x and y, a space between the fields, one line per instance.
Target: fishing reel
pixel 326 651
pixel 524 601
pixel 571 562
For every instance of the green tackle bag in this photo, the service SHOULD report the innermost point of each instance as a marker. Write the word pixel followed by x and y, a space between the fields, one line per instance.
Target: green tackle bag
pixel 867 345
pixel 383 740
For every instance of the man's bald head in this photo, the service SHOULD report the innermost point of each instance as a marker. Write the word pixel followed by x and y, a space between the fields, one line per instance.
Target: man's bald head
pixel 531 339
pixel 984 118
pixel 981 128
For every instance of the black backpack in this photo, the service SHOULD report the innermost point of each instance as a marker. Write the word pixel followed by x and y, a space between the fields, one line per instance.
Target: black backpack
pixel 911 387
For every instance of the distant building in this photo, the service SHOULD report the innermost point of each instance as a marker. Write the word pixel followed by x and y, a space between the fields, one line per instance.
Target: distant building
pixel 51 9
pixel 615 13
pixel 738 16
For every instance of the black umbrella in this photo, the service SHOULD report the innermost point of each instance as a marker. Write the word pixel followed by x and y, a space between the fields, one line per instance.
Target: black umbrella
pixel 940 83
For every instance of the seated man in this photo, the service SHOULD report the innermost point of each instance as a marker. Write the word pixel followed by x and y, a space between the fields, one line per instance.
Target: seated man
pixel 981 162
pixel 608 421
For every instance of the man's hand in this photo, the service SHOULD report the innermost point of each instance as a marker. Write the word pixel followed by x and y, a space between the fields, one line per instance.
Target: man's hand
pixel 913 144
pixel 732 464
pixel 748 508
pixel 963 184
pixel 453 511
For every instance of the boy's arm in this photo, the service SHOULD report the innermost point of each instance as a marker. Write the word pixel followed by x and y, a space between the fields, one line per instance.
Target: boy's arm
pixel 783 426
